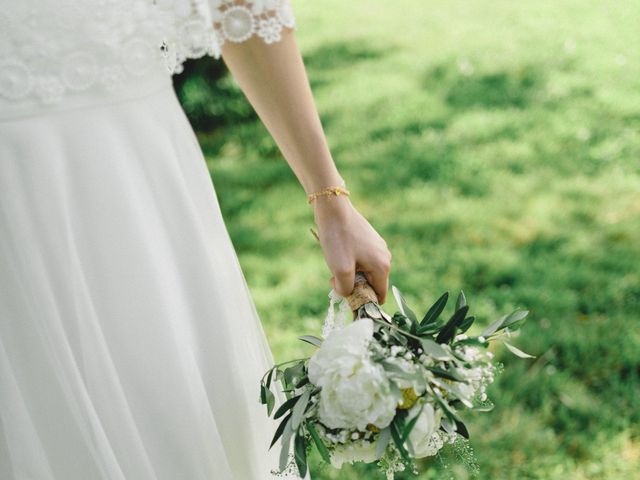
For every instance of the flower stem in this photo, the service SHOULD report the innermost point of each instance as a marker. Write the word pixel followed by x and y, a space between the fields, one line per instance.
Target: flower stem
pixel 284 363
pixel 397 328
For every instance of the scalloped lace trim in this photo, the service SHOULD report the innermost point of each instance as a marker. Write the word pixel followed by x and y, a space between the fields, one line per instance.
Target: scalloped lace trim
pixel 50 49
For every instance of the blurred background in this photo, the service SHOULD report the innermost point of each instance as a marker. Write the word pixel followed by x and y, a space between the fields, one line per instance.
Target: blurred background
pixel 495 145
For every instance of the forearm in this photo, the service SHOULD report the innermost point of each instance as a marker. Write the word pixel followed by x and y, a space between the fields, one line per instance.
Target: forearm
pixel 273 78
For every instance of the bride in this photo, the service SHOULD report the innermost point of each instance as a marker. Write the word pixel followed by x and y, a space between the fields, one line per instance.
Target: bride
pixel 130 348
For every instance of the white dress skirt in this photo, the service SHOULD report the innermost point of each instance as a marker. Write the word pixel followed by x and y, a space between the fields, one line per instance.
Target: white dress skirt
pixel 130 348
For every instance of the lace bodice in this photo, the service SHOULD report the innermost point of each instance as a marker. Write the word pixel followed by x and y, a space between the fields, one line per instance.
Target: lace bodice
pixel 50 49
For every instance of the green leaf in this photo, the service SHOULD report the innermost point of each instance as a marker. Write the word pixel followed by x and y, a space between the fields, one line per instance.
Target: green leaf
pixel 514 317
pixel 454 390
pixel 286 445
pixel 466 324
pixel 303 381
pixel 449 330
pixel 280 430
pixel 263 394
pixel 435 310
pixel 409 426
pixel 300 454
pixel 383 441
pixel 491 329
pixel 271 401
pixel 286 406
pixel 322 448
pixel 395 434
pixel 313 340
pixel 451 375
pixel 446 408
pixel 268 381
pixel 431 328
pixel 402 304
pixel 473 341
pixel 461 301
pixel 299 408
pixel 462 429
pixel 372 310
pixel 434 349
pixel 517 351
pixel 448 425
pixel 414 328
pixel 293 372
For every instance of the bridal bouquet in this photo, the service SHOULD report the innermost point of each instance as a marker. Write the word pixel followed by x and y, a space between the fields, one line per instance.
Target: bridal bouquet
pixel 384 388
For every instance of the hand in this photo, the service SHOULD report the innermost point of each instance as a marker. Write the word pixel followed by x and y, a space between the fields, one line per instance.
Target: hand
pixel 351 244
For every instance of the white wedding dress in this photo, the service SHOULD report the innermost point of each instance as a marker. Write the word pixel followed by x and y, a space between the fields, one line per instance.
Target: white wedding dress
pixel 130 348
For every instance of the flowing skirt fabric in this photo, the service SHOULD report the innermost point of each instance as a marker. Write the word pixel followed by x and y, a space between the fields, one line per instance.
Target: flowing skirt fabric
pixel 130 348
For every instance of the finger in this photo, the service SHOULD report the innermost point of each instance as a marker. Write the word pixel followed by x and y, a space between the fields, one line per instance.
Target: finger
pixel 379 281
pixel 344 280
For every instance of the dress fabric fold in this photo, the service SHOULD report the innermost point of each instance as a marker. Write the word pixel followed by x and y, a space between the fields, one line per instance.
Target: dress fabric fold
pixel 130 347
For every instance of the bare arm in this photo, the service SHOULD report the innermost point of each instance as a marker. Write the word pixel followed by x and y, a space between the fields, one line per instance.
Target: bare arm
pixel 273 78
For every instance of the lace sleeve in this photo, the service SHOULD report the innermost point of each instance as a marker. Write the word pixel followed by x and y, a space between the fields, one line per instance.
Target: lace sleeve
pixel 202 27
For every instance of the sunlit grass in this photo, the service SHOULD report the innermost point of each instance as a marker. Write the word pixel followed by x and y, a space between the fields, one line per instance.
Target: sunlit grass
pixel 496 147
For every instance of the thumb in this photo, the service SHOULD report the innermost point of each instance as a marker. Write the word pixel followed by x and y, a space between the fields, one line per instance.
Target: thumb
pixel 344 282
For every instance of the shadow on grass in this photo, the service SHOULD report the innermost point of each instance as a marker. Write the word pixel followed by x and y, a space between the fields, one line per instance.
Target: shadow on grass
pixel 516 88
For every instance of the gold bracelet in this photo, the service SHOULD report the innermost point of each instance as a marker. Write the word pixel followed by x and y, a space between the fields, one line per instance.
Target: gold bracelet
pixel 328 191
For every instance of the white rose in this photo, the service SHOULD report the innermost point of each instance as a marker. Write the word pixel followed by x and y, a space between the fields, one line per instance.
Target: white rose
pixel 355 389
pixel 428 423
pixel 357 451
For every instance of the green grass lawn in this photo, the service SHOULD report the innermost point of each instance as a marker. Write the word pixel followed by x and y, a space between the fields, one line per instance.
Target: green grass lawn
pixel 495 145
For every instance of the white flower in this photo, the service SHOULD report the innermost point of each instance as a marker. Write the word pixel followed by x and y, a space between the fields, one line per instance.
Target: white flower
pixel 428 423
pixel 355 390
pixel 358 451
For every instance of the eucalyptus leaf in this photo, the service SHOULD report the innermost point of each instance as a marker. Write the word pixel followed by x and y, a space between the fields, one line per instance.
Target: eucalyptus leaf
pixel 402 304
pixel 280 430
pixel 263 394
pixel 286 406
pixel 454 390
pixel 491 329
pixel 435 310
pixel 514 317
pixel 299 409
pixel 446 408
pixel 434 349
pixel 449 330
pixel 462 429
pixel 322 448
pixel 461 301
pixel 466 324
pixel 431 327
pixel 286 445
pixel 517 351
pixel 303 381
pixel 409 426
pixel 383 441
pixel 271 401
pixel 313 340
pixel 395 434
pixel 300 454
pixel 372 310
pixel 448 425
pixel 269 376
pixel 293 372
pixel 448 374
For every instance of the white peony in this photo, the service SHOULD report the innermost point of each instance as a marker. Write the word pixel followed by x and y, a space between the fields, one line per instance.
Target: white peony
pixel 428 423
pixel 355 389
pixel 356 451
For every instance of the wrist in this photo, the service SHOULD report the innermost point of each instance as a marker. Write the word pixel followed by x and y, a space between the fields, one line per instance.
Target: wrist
pixel 330 207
